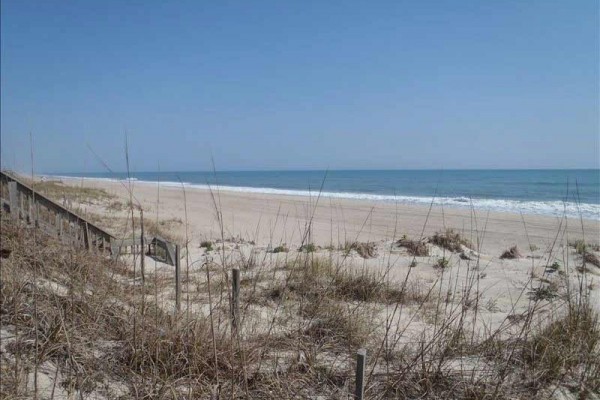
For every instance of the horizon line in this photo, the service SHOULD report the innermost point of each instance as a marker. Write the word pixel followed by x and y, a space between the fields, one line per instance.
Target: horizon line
pixel 324 170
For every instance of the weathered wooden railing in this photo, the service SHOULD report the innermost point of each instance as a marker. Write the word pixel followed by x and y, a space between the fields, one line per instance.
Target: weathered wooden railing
pixel 23 203
pixel 158 247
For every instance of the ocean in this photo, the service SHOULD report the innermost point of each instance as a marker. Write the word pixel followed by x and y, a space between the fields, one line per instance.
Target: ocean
pixel 575 193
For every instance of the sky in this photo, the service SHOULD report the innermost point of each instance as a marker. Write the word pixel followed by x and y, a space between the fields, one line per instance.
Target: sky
pixel 265 85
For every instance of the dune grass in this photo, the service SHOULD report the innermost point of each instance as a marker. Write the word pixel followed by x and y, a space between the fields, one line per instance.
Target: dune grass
pixel 301 326
pixel 59 191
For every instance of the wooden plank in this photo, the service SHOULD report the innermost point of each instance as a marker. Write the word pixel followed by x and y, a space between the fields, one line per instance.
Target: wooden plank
pixel 235 298
pixel 361 360
pixel 177 280
pixel 86 238
pixel 12 199
pixel 142 249
pixel 22 206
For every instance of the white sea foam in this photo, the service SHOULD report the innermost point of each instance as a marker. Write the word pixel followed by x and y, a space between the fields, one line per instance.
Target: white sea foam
pixel 555 208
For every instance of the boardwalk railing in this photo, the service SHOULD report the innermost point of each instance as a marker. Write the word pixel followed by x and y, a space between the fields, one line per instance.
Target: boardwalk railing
pixel 20 200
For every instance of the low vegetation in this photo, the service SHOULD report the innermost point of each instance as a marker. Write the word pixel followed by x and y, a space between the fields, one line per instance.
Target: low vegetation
pixel 450 240
pixel 585 250
pixel 308 248
pixel 533 247
pixel 281 249
pixel 207 245
pixel 61 192
pixel 442 263
pixel 511 253
pixel 92 329
pixel 365 250
pixel 582 247
pixel 415 248
pixel 591 258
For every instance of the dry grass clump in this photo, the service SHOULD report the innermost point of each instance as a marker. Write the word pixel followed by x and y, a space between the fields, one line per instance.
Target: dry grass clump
pixel 511 253
pixel 321 278
pixel 281 249
pixel 560 349
pixel 415 248
pixel 308 248
pixel 544 292
pixel 175 349
pixel 591 258
pixel 442 263
pixel 581 247
pixel 206 244
pixel 365 250
pixel 585 250
pixel 335 324
pixel 450 240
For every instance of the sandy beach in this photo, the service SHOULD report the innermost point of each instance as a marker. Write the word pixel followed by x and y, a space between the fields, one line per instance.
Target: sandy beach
pixel 273 219
pixel 262 222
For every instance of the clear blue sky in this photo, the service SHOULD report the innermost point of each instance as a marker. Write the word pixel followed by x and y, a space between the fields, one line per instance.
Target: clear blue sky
pixel 300 84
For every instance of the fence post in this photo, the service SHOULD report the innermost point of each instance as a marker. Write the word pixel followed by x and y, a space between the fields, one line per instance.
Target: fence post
pixel 86 237
pixel 12 197
pixel 361 360
pixel 22 206
pixel 143 248
pixel 177 279
pixel 72 231
pixel 36 213
pixel 235 298
pixel 31 219
pixel 58 218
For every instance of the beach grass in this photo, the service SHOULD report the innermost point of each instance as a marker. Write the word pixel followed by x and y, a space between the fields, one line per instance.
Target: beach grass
pixel 78 324
pixel 298 341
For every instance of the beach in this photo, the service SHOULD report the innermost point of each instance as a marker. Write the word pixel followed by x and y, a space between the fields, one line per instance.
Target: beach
pixel 219 200
pixel 273 219
pixel 335 275
pixel 255 224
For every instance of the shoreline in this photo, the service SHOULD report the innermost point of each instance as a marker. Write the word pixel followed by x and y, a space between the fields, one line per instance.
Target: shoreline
pixel 273 219
pixel 586 211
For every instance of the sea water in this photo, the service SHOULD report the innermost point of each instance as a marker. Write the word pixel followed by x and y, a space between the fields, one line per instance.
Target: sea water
pixel 574 193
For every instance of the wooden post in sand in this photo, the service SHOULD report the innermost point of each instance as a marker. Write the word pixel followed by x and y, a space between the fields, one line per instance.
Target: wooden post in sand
pixel 361 360
pixel 86 237
pixel 177 279
pixel 142 248
pixel 31 219
pixel 235 297
pixel 58 219
pixel 22 206
pixel 12 197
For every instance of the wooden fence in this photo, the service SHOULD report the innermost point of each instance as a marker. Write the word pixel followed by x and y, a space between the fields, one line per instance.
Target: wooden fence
pixel 23 203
